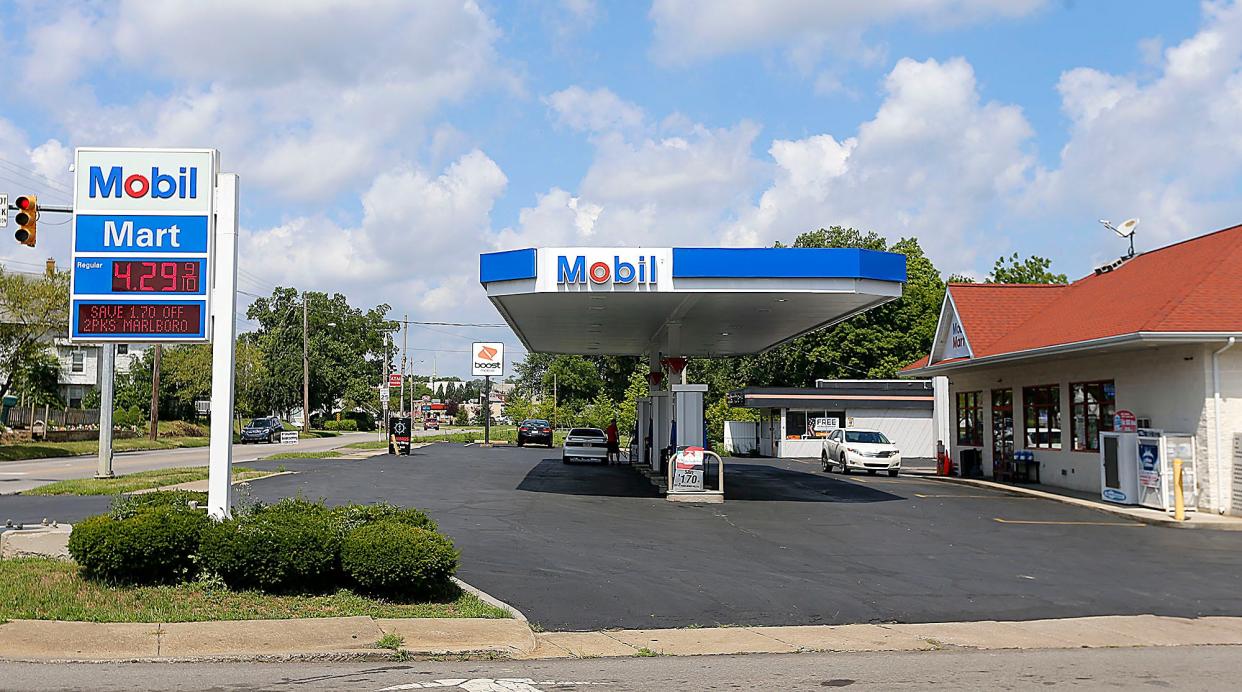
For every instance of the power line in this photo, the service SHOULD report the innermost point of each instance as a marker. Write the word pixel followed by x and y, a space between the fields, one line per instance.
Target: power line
pixel 33 174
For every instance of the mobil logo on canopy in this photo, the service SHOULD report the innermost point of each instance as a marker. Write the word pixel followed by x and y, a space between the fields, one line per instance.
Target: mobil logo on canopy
pixel 616 269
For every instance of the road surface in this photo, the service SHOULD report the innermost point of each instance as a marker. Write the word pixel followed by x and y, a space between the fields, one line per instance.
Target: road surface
pixel 1197 668
pixel 19 476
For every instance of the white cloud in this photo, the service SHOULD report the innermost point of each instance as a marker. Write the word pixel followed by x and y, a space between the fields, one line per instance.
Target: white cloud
pixel 690 30
pixel 1167 149
pixel 933 160
pixel 600 110
pixel 413 224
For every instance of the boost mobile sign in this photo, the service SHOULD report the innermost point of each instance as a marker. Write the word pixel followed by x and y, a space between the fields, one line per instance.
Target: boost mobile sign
pixel 488 359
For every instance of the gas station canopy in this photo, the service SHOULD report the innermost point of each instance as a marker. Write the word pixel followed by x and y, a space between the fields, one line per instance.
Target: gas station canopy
pixel 682 301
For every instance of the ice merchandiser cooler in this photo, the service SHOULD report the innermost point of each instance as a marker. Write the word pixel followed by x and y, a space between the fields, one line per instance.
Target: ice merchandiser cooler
pixel 1136 468
pixel 1119 467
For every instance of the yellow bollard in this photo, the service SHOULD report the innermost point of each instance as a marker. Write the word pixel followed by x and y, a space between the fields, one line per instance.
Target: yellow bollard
pixel 1179 504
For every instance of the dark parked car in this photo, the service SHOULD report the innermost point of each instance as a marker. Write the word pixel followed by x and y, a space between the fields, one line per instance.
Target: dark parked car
pixel 262 430
pixel 431 424
pixel 534 430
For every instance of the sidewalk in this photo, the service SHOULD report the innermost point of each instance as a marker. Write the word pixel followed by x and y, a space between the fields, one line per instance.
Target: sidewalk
pixel 355 638
pixel 1154 517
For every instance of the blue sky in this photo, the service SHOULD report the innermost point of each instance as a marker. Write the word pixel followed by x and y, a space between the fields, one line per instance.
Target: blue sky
pixel 382 145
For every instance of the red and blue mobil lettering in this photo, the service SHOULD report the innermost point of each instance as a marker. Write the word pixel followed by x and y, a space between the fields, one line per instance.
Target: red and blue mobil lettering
pixel 115 181
pixel 141 233
pixel 575 270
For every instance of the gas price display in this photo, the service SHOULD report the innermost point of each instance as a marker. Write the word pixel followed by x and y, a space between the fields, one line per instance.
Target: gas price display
pixel 164 276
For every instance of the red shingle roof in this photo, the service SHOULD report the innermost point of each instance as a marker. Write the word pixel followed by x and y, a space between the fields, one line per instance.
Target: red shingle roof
pixel 1192 286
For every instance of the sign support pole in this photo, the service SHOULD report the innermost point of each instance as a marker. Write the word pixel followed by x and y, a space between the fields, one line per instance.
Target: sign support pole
pixel 107 367
pixel 487 409
pixel 224 310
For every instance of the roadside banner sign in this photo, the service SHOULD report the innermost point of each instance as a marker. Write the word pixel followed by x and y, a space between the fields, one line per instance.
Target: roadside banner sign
pixel 394 379
pixel 399 434
pixel 688 470
pixel 488 359
pixel 289 437
pixel 143 241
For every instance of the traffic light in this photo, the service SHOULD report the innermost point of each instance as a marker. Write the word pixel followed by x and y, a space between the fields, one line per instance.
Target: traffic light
pixel 27 219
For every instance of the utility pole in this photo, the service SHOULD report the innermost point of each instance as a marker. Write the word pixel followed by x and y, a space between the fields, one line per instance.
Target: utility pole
pixel 107 363
pixel 155 393
pixel 554 403
pixel 306 421
pixel 405 352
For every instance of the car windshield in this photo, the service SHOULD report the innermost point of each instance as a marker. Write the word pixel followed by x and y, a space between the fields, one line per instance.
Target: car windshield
pixel 258 423
pixel 866 437
pixel 586 432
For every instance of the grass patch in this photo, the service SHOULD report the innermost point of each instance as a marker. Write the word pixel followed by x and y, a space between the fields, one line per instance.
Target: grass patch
pixel 644 652
pixel 44 450
pixel 325 454
pixel 392 640
pixel 142 480
pixel 368 444
pixel 48 589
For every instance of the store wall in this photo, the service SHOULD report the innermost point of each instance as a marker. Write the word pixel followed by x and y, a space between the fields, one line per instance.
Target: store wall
pixel 1231 423
pixel 1171 385
pixel 913 431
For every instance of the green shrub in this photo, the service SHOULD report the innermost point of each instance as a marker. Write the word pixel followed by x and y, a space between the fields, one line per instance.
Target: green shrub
pixel 125 506
pixel 364 420
pixel 347 425
pixel 396 559
pixel 127 417
pixel 350 517
pixel 155 545
pixel 290 546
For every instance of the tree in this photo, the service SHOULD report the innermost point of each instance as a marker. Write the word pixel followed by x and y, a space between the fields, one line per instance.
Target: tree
pixel 1032 270
pixel 518 408
pixel 347 348
pixel 37 378
pixel 33 308
pixel 462 418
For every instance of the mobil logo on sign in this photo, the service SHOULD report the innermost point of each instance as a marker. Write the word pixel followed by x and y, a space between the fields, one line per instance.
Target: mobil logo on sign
pixel 577 269
pixel 113 181
pixel 160 181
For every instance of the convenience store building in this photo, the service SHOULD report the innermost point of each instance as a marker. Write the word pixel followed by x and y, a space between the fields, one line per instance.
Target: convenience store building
pixel 1044 368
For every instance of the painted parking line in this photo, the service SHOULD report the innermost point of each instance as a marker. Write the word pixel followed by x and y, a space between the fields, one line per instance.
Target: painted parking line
pixel 1069 523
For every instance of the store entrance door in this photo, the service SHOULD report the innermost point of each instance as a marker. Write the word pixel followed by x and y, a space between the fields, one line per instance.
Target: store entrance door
pixel 1002 431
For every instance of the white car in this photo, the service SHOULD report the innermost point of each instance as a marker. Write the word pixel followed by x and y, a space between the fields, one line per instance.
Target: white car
pixel 857 448
pixel 585 444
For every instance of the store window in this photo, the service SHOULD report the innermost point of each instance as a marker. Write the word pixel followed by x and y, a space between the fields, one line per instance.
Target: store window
pixel 1042 407
pixel 77 361
pixel 795 424
pixel 1093 404
pixel 122 349
pixel 969 421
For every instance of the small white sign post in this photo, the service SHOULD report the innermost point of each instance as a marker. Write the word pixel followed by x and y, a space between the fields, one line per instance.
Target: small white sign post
pixel 488 360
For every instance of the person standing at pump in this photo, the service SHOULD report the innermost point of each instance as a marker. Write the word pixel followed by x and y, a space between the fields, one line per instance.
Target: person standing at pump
pixel 614 441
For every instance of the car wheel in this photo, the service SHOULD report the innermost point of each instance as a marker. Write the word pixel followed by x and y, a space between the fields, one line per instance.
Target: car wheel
pixel 564 460
pixel 892 473
pixel 520 442
pixel 845 469
pixel 823 460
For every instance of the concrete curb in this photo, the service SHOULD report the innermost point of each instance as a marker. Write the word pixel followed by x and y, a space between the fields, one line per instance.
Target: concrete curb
pixel 1141 516
pixel 490 599
pixel 353 638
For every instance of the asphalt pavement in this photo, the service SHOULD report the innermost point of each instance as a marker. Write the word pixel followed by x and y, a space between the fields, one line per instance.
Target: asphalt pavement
pixel 579 547
pixel 1192 668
